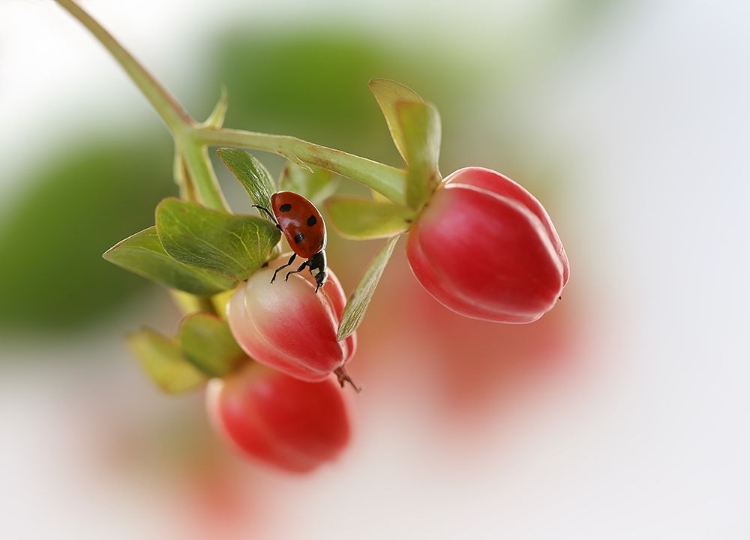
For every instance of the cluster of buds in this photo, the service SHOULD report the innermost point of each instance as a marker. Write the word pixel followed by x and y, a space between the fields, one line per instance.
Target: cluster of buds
pixel 482 246
pixel 268 348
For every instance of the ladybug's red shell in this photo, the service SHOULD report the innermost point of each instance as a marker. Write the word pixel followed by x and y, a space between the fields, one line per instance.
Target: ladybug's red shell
pixel 300 222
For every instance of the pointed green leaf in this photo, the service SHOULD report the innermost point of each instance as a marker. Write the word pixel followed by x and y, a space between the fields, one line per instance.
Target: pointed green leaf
pixel 355 308
pixel 217 116
pixel 162 359
pixel 415 129
pixel 420 124
pixel 315 185
pixel 144 255
pixel 234 246
pixel 251 173
pixel 364 219
pixel 208 343
pixel 388 94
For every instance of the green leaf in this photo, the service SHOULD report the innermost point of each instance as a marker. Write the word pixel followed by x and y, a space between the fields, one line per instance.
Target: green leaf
pixel 234 246
pixel 355 308
pixel 162 359
pixel 420 124
pixel 144 255
pixel 316 185
pixel 363 219
pixel 251 173
pixel 208 343
pixel 388 94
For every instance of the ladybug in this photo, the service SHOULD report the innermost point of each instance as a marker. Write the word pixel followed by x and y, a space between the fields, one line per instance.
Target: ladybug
pixel 305 231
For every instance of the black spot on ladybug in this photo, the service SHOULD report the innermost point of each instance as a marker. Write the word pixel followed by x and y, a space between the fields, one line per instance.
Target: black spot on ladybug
pixel 312 220
pixel 299 237
pixel 285 207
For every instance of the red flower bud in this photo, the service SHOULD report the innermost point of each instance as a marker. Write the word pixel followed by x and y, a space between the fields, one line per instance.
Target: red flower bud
pixel 294 425
pixel 286 325
pixel 486 248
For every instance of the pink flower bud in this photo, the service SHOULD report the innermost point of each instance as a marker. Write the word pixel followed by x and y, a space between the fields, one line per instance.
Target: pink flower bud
pixel 486 248
pixel 294 425
pixel 286 325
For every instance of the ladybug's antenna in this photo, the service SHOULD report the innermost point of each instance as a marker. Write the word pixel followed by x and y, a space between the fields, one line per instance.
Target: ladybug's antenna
pixel 268 213
pixel 344 377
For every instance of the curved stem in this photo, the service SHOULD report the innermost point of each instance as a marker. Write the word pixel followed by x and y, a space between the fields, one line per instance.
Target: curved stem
pixel 201 180
pixel 169 109
pixel 386 180
pixel 192 139
pixel 202 175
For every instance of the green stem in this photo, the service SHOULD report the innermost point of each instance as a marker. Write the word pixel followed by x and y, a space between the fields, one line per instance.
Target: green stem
pixel 170 111
pixel 197 165
pixel 386 180
pixel 202 175
pixel 192 139
pixel 189 303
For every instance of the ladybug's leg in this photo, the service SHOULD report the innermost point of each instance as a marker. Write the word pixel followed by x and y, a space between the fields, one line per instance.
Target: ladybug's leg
pixel 317 265
pixel 297 271
pixel 291 260
pixel 269 214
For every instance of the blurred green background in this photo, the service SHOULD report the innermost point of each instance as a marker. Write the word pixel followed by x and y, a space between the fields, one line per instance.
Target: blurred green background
pixel 305 80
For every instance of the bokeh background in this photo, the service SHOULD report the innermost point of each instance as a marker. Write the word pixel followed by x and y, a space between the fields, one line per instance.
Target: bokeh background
pixel 623 413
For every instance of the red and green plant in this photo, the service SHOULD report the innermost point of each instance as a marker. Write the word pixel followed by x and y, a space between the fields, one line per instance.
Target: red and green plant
pixel 478 242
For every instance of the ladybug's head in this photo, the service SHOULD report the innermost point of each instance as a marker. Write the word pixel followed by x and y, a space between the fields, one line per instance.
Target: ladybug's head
pixel 317 264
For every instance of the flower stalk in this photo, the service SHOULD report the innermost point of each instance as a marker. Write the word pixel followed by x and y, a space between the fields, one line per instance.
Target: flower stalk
pixel 193 139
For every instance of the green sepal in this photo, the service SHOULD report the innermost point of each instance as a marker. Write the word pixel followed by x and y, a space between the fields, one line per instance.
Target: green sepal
pixel 315 184
pixel 207 342
pixel 415 129
pixel 355 308
pixel 144 255
pixel 251 173
pixel 365 219
pixel 232 245
pixel 388 94
pixel 420 125
pixel 216 118
pixel 164 362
